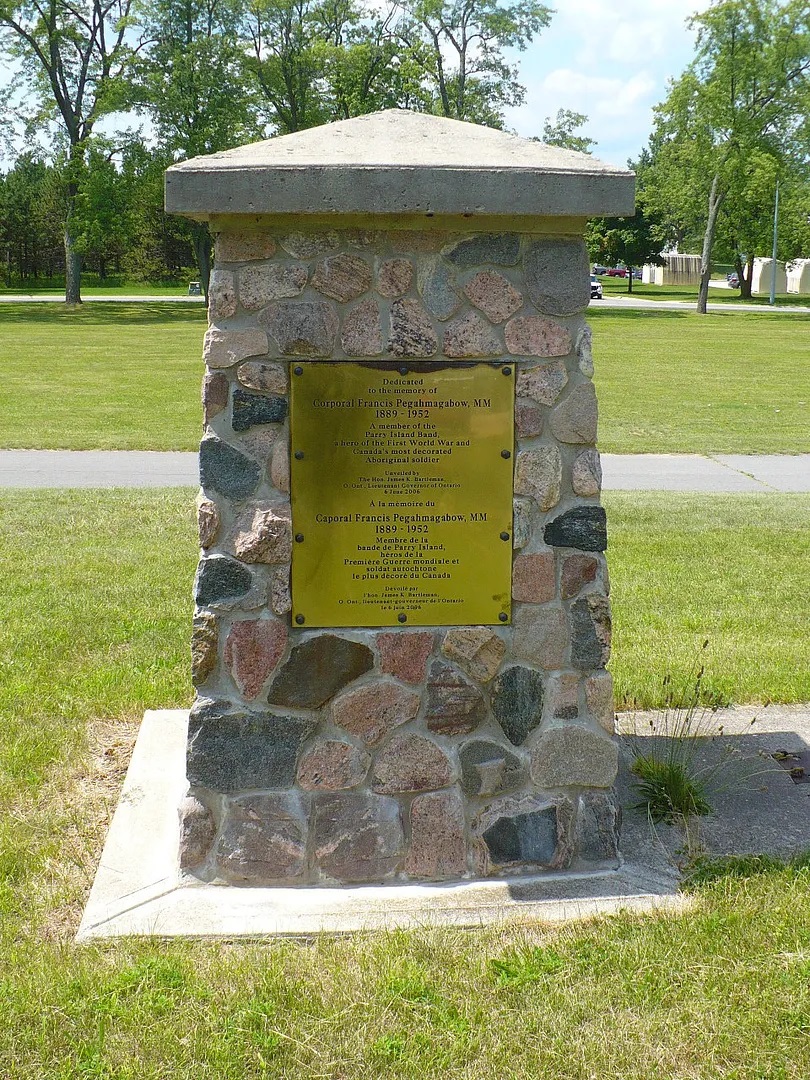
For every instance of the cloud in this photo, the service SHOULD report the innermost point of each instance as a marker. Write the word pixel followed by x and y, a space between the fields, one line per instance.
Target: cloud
pixel 612 64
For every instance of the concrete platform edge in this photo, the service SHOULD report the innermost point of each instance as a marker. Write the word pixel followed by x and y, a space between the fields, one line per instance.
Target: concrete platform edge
pixel 139 891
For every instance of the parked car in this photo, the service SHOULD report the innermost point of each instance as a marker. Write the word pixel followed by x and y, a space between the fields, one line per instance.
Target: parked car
pixel 596 288
pixel 599 270
pixel 617 271
pixel 733 280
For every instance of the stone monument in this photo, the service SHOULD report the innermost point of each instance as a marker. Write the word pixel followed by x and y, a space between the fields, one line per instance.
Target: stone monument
pixel 402 618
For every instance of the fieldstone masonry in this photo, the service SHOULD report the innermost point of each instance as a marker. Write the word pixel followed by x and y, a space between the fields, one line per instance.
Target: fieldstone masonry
pixel 331 756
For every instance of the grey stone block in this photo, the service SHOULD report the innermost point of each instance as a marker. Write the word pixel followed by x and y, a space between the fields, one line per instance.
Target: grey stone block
pixel 488 768
pixel 317 669
pixel 250 409
pixel 582 527
pixel 220 578
pixel 500 249
pixel 517 702
pixel 232 751
pixel 227 470
pixel 557 275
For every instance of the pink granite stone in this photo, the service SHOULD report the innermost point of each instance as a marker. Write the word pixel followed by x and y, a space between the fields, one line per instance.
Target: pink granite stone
pixel 438 848
pixel 541 636
pixel 238 247
pixel 476 649
pixel 405 655
pixel 539 473
pixel 470 336
pixel 263 535
pixel 333 765
pixel 599 699
pixel 586 475
pixel 342 277
pixel 574 419
pixel 362 330
pixel 224 348
pixel 208 521
pixel 543 383
pixel 410 762
pixel 269 378
pixel 494 295
pixel 534 335
pixel 253 649
pixel 533 578
pixel 370 712
pixel 577 571
pixel 215 391
pixel 394 277
pixel 528 418
pixel 563 696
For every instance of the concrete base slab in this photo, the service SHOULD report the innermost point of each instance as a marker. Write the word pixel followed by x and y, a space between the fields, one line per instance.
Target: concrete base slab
pixel 139 891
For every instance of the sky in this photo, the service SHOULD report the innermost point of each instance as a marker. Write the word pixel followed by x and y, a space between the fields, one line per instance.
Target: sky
pixel 608 59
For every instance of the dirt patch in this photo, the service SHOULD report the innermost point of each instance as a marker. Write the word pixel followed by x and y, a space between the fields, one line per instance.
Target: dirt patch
pixel 78 811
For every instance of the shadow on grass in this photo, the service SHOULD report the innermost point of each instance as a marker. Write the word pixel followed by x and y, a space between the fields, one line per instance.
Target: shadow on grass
pixel 106 314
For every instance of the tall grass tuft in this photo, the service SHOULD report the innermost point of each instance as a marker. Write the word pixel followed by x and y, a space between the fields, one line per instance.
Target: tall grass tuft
pixel 671 777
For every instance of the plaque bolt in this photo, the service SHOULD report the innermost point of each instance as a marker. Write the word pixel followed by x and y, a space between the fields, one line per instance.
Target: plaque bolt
pixel 506 453
pixel 299 619
pixel 403 370
pixel 298 371
pixel 506 370
pixel 504 536
pixel 299 455
pixel 402 617
pixel 503 616
pixel 299 538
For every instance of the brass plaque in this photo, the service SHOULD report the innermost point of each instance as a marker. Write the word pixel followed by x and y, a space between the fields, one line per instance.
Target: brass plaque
pixel 401 493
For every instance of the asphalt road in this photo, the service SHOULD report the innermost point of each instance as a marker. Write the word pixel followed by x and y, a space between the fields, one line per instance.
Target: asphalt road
pixel 622 472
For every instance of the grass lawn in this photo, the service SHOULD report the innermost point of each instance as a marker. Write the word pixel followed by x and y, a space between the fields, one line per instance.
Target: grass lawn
pixel 104 377
pixel 126 376
pixel 616 286
pixel 676 382
pixel 94 621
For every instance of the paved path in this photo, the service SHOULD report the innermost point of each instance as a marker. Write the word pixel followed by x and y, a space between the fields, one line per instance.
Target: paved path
pixel 622 472
pixel 635 302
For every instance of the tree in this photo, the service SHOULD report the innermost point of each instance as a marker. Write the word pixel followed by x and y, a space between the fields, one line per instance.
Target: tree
pixel 315 61
pixel 562 131
pixel 191 81
pixel 459 46
pixel 740 95
pixel 73 56
pixel 631 241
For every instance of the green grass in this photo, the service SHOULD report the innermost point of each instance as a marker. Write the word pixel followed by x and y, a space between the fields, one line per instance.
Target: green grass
pixel 111 376
pixel 689 294
pixel 126 377
pixel 676 382
pixel 94 621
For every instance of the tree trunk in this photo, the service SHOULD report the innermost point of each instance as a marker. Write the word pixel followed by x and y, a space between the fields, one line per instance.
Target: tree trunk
pixel 203 249
pixel 629 279
pixel 746 276
pixel 715 200
pixel 73 260
pixel 73 270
